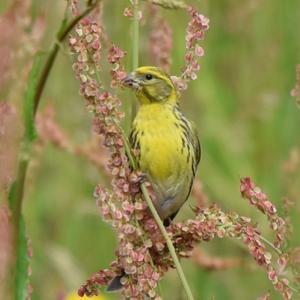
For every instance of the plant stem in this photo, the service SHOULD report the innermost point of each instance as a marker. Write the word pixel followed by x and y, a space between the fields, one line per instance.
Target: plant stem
pixel 16 206
pixel 160 225
pixel 277 250
pixel 169 243
pixel 135 47
pixel 17 190
pixel 23 163
pixel 62 33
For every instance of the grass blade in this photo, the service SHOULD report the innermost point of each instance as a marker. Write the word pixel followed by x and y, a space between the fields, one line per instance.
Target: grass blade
pixel 30 132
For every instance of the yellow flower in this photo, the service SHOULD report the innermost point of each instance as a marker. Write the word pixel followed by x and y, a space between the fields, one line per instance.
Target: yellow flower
pixel 74 296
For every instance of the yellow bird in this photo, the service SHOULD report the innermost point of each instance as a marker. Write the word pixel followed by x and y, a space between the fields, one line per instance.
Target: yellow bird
pixel 169 149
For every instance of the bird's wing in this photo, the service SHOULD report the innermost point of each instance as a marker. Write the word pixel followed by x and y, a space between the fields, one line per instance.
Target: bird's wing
pixel 133 137
pixel 196 145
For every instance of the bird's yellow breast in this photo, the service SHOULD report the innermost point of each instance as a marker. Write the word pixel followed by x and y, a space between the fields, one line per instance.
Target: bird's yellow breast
pixel 162 153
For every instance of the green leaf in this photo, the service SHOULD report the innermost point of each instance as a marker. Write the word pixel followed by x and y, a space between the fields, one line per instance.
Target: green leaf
pixel 22 264
pixel 62 28
pixel 17 186
pixel 30 132
pixel 11 194
pixel 64 23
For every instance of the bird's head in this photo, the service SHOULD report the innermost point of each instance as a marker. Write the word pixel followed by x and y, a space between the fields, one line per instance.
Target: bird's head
pixel 151 85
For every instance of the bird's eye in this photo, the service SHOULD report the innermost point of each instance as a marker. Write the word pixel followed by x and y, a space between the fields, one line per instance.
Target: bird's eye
pixel 149 76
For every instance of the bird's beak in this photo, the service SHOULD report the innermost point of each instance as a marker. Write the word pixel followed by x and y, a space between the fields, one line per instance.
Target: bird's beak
pixel 131 81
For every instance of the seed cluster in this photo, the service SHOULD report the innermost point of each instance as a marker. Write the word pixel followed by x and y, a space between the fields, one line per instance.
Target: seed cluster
pixel 260 200
pixel 195 33
pixel 142 256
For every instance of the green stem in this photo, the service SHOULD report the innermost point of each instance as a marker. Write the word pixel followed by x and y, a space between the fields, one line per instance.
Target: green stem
pixel 161 226
pixel 17 190
pixel 277 250
pixel 62 33
pixel 169 243
pixel 23 163
pixel 135 47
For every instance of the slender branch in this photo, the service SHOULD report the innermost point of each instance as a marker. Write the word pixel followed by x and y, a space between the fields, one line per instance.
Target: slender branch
pixel 161 226
pixel 169 243
pixel 62 33
pixel 135 47
pixel 23 163
pixel 277 250
pixel 17 189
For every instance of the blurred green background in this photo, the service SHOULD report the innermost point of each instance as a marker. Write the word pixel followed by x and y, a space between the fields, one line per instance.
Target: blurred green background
pixel 248 125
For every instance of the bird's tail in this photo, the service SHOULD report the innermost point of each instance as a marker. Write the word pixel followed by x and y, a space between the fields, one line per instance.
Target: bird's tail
pixel 116 284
